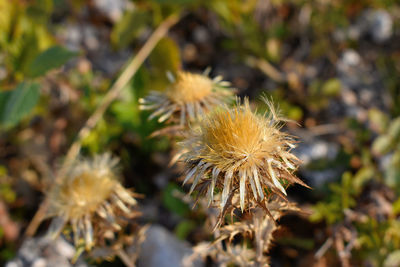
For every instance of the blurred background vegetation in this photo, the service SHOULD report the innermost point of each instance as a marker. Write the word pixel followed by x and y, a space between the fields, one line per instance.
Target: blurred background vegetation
pixel 333 66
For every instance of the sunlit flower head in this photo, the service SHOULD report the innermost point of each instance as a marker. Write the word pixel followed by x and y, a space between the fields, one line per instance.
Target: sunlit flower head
pixel 236 149
pixel 187 97
pixel 89 196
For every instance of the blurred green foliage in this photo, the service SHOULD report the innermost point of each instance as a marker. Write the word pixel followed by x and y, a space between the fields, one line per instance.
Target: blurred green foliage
pixel 377 235
pixel 17 103
pixel 172 202
pixel 23 34
pixel 52 58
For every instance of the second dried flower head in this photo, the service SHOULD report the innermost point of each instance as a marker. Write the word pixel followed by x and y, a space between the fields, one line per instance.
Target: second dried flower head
pixel 188 97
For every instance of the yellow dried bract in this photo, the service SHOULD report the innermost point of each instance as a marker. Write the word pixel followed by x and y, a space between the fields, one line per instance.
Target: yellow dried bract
pixel 238 149
pixel 89 195
pixel 187 98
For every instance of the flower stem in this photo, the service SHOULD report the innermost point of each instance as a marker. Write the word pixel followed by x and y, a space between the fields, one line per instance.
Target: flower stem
pixel 125 258
pixel 120 83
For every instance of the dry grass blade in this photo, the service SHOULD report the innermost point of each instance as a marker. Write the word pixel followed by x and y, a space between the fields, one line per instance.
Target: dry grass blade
pixel 121 82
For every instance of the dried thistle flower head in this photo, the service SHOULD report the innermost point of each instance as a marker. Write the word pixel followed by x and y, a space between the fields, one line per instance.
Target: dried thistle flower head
pixel 238 149
pixel 90 196
pixel 189 96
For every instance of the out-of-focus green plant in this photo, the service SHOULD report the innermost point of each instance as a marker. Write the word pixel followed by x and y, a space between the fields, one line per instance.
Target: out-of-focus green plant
pixel 17 103
pixel 342 197
pixel 8 196
pixel 379 241
pixel 124 114
pixel 6 191
pixel 388 144
pixel 23 34
pixel 320 93
pixel 377 235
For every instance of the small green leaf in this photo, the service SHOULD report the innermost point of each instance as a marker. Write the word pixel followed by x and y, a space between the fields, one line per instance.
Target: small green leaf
pixel 173 203
pixel 40 11
pixel 378 119
pixel 16 104
pixel 392 176
pixel 396 207
pixel 382 144
pixel 394 129
pixel 52 58
pixel 362 176
pixel 331 87
pixel 165 57
pixel 183 229
pixel 393 259
pixel 295 113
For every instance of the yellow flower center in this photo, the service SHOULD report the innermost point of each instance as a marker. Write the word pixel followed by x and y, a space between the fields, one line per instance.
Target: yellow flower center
pixel 236 138
pixel 85 192
pixel 189 88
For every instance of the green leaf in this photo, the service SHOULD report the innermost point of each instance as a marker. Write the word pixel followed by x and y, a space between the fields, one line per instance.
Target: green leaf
pixel 16 104
pixel 393 259
pixel 172 202
pixel 392 177
pixel 394 129
pixel 382 144
pixel 295 113
pixel 378 120
pixel 52 58
pixel 40 11
pixel 183 229
pixel 396 207
pixel 165 57
pixel 332 87
pixel 362 176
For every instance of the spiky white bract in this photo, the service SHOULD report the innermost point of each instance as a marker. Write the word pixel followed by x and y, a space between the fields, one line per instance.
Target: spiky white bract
pixel 236 149
pixel 187 97
pixel 88 196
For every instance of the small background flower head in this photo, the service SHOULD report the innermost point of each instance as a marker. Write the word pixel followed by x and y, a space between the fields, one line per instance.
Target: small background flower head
pixel 90 197
pixel 188 97
pixel 234 149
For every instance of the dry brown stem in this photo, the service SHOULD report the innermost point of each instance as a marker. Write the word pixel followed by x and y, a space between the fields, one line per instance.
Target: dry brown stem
pixel 117 87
